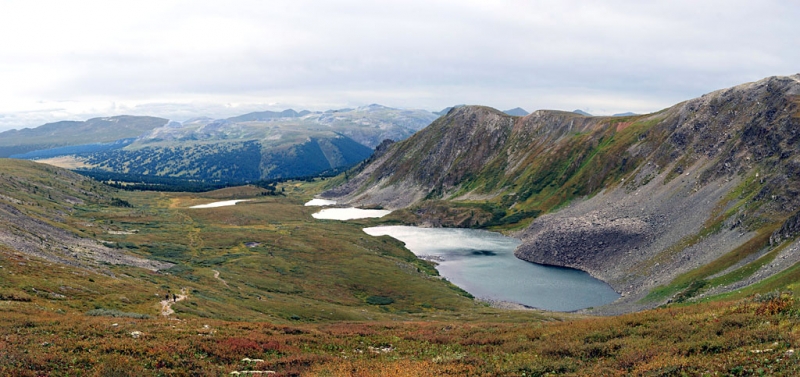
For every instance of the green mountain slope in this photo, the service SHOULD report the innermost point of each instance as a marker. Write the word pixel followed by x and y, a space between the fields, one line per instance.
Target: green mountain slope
pixel 694 200
pixel 313 156
pixel 232 161
pixel 260 145
pixel 36 206
pixel 228 161
pixel 66 133
pixel 71 244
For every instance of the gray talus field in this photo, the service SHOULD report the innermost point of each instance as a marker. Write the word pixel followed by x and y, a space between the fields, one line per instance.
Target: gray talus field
pixel 692 200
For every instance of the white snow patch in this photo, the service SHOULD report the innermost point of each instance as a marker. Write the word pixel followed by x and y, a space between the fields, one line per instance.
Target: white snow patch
pixel 320 202
pixel 349 213
pixel 220 204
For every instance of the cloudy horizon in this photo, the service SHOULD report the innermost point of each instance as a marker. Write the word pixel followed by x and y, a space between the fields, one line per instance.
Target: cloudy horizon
pixel 183 59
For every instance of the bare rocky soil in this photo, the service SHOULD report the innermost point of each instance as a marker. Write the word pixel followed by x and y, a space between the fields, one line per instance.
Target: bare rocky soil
pixel 37 238
pixel 623 237
pixel 36 201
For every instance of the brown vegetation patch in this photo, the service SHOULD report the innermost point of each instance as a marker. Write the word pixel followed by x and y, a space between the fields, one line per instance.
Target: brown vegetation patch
pixel 623 125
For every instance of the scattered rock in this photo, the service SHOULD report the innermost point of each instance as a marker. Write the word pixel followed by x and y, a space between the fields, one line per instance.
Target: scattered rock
pixel 385 349
pixel 237 373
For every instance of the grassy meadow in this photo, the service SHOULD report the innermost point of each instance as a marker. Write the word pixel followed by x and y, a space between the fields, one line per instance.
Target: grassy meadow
pixel 270 289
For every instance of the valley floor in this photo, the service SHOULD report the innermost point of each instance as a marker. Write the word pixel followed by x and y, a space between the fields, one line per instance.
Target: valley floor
pixel 264 287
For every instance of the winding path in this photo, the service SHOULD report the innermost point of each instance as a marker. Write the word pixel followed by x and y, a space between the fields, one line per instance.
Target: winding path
pixel 166 305
pixel 216 276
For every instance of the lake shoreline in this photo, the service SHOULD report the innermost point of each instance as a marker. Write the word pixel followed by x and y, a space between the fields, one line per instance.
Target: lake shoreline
pixel 483 263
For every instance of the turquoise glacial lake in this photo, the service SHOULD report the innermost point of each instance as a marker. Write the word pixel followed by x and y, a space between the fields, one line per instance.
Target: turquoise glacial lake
pixel 483 264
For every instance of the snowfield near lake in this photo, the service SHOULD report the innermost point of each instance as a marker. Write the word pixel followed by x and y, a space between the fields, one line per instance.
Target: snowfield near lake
pixel 349 213
pixel 220 204
pixel 319 202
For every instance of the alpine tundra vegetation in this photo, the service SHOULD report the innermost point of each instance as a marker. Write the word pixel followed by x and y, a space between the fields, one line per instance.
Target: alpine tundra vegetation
pixel 690 213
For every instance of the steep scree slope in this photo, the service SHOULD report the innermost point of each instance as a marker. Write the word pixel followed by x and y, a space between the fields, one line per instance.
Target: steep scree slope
pixel 696 199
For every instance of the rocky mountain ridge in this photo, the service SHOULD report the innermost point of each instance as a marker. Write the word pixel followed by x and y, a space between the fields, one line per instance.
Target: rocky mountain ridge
pixel 663 206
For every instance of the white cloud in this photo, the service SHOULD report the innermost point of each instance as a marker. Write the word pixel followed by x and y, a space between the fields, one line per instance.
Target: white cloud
pixel 79 57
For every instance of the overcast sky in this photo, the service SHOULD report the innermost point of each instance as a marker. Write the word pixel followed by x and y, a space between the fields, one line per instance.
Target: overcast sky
pixel 179 59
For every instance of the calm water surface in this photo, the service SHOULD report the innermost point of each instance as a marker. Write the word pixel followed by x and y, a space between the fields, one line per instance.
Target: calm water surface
pixel 483 264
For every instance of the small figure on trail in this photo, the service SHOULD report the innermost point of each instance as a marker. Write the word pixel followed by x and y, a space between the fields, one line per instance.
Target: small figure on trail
pixel 174 298
pixel 166 298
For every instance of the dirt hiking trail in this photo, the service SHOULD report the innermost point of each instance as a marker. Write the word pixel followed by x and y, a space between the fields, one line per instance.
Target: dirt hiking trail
pixel 166 305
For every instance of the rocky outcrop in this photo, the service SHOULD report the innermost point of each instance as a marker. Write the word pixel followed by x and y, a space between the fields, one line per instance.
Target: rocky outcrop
pixel 587 241
pixel 636 239
pixel 728 160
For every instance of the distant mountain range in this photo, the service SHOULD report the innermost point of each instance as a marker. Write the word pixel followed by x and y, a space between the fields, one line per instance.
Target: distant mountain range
pixel 254 146
pixel 581 112
pixel 517 111
pixel 70 133
pixel 268 115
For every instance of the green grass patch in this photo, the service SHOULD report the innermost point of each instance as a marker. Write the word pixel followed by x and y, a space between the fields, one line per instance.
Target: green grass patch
pixel 787 278
pixel 14 295
pixel 116 313
pixel 379 300
pixel 168 252
pixel 749 269
pixel 685 280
